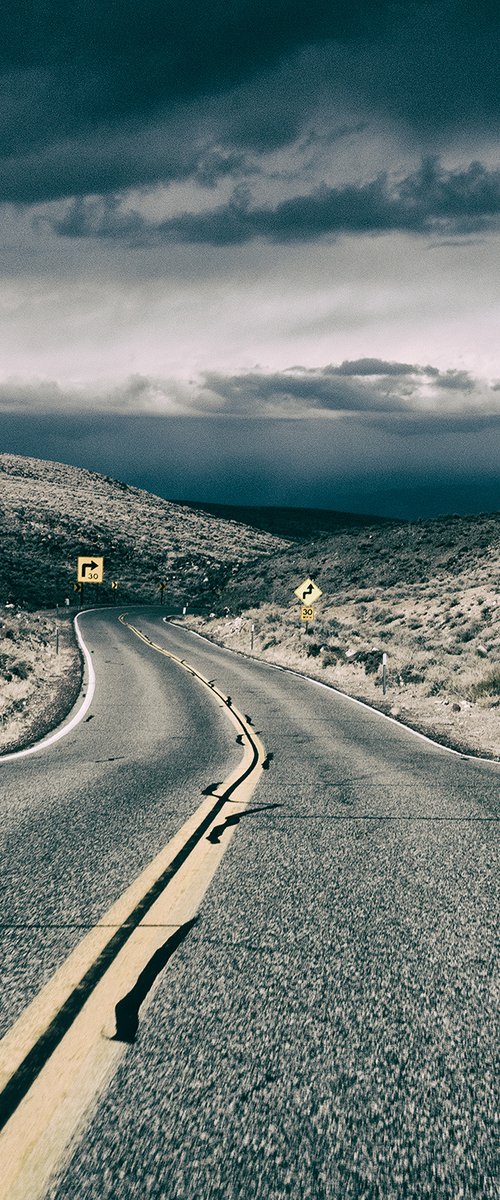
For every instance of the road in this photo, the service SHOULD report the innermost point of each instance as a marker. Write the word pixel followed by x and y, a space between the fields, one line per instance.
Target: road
pixel 326 1029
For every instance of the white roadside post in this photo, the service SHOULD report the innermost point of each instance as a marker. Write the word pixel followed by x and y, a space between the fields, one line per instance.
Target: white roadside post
pixel 252 634
pixel 384 672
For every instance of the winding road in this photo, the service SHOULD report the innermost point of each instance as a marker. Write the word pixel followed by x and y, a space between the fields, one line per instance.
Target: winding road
pixel 248 939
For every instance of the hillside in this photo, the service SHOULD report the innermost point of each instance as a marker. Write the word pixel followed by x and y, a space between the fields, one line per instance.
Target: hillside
pixel 385 556
pixel 50 513
pixel 426 594
pixel 297 524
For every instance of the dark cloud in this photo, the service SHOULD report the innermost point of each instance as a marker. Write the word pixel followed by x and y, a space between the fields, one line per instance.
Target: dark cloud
pixel 429 200
pixel 367 386
pixel 457 381
pixel 81 85
pixel 376 366
pixel 405 394
pixel 293 392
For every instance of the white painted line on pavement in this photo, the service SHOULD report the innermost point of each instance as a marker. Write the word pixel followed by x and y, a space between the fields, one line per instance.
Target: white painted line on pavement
pixel 89 696
pixel 330 688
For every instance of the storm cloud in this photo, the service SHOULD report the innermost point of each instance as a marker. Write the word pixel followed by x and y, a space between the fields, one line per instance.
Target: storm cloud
pixel 374 388
pixel 429 201
pixel 197 198
pixel 101 97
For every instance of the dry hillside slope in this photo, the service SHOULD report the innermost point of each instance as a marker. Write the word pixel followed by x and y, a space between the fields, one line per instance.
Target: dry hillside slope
pixel 426 594
pixel 50 513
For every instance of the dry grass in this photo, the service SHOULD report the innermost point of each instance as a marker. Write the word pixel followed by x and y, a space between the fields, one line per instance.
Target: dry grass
pixel 39 679
pixel 426 594
pixel 51 513
pixel 439 625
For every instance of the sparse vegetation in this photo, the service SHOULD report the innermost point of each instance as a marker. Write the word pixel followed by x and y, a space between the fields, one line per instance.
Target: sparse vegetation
pixel 488 686
pixel 435 613
pixel 52 512
pixel 430 600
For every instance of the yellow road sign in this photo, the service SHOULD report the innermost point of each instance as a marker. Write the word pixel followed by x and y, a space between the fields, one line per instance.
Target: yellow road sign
pixel 114 585
pixel 307 612
pixel 90 569
pixel 308 592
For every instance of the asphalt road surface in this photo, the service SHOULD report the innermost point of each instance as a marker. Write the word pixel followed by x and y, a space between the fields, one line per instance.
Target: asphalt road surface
pixel 326 1030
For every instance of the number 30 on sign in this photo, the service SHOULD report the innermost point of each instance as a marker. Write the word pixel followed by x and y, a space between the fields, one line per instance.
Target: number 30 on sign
pixel 307 612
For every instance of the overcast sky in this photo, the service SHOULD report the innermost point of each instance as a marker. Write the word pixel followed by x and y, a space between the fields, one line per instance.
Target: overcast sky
pixel 250 250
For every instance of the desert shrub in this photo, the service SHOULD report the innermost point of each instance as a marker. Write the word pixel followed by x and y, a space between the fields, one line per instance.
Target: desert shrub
pixel 436 687
pixel 21 670
pixel 329 660
pixel 371 660
pixel 272 641
pixel 380 614
pixel 489 685
pixel 314 649
pixel 410 674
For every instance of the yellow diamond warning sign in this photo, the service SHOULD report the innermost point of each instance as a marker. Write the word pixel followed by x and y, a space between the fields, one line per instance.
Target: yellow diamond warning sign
pixel 308 592
pixel 90 569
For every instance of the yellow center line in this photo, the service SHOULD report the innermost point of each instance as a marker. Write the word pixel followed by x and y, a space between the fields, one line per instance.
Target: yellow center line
pixel 69 1026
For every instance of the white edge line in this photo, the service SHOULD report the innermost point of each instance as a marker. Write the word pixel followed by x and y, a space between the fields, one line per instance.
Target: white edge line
pixel 353 700
pixel 88 682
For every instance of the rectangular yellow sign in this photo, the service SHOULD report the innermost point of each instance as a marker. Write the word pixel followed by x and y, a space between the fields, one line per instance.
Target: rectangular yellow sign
pixel 90 569
pixel 307 612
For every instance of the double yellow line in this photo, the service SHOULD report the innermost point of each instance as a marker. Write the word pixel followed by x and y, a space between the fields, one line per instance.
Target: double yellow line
pixel 61 1053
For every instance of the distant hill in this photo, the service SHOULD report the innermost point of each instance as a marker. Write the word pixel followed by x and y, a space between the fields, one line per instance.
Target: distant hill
pixel 50 513
pixel 380 556
pixel 298 524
